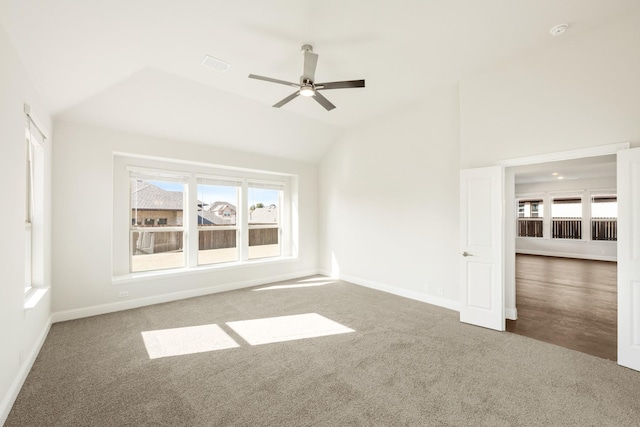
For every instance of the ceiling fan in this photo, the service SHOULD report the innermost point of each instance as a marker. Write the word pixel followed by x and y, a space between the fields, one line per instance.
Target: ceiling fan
pixel 308 86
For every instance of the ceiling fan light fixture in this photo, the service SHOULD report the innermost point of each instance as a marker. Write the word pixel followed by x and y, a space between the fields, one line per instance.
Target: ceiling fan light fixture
pixel 307 90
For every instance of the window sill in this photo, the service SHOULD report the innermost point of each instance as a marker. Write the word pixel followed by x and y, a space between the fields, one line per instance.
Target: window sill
pixel 202 269
pixel 34 296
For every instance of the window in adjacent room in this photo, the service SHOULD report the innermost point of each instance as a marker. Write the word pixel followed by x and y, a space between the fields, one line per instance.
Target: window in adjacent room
pixel 604 217
pixel 566 218
pixel 530 217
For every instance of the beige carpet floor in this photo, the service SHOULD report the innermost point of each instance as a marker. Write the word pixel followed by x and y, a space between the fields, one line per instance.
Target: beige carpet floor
pixel 406 364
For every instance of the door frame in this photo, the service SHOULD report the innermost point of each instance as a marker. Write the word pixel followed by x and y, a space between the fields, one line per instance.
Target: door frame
pixel 509 261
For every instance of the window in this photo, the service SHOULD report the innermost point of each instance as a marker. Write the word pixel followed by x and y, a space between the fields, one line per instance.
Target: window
pixel 264 220
pixel 217 221
pixel 34 208
pixel 530 218
pixel 604 217
pixel 155 197
pixel 566 218
pixel 172 215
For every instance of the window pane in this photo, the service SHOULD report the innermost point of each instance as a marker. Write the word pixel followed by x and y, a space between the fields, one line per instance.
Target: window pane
pixel 156 250
pixel 156 203
pixel 530 209
pixel 217 208
pixel 567 208
pixel 263 211
pixel 566 216
pixel 264 243
pixel 604 214
pixel 217 246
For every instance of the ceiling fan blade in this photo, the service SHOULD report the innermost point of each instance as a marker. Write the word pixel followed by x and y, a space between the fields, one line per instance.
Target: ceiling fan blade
pixel 323 101
pixel 310 63
pixel 269 79
pixel 287 99
pixel 340 85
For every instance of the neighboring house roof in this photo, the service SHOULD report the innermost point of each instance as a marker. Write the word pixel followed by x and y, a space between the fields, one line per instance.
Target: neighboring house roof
pixel 149 196
pixel 210 214
pixel 217 204
pixel 267 215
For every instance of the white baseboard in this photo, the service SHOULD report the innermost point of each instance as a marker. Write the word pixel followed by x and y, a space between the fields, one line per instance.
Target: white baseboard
pixel 567 255
pixel 511 313
pixel 429 299
pixel 23 372
pixel 62 316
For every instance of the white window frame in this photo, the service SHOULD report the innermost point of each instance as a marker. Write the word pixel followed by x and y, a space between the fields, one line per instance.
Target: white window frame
pixel 165 176
pixel 586 197
pixel 121 251
pixel 34 208
pixel 280 187
pixel 229 182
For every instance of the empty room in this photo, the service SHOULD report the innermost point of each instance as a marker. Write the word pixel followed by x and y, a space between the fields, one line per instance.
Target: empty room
pixel 286 213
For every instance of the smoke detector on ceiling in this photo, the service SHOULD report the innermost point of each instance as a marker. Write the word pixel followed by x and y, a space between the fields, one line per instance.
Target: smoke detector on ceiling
pixel 558 29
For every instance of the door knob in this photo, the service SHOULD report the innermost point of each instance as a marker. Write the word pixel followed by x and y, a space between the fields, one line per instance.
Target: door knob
pixel 465 254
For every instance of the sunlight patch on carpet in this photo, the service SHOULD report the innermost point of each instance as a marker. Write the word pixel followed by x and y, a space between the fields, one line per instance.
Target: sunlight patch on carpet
pixel 287 328
pixel 188 340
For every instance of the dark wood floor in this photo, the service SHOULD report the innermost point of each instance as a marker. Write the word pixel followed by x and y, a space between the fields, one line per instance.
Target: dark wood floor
pixel 567 302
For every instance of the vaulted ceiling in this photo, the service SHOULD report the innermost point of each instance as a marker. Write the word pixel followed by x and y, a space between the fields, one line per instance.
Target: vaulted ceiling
pixel 135 65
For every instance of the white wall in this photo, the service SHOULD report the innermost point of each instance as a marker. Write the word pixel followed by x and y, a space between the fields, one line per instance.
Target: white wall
pixel 389 202
pixel 21 331
pixel 83 218
pixel 586 249
pixel 584 92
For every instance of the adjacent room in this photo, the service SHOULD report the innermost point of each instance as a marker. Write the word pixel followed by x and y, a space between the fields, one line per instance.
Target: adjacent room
pixel 566 253
pixel 297 213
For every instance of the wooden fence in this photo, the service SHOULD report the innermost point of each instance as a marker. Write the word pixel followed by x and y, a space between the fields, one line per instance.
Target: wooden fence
pixel 219 239
pixel 216 239
pixel 146 242
pixel 153 242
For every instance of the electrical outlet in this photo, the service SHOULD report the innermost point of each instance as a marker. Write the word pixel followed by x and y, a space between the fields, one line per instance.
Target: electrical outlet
pixel 441 292
pixel 123 294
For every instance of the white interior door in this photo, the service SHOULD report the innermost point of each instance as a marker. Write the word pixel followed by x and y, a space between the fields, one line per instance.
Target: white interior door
pixel 629 258
pixel 481 247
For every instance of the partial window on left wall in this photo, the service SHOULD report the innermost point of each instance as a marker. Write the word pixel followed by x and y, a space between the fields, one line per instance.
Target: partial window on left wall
pixel 34 198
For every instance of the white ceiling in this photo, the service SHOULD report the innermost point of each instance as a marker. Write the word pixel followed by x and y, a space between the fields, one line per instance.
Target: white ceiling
pixel 568 170
pixel 135 65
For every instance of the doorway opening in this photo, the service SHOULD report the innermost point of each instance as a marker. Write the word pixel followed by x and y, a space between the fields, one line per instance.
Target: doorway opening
pixel 565 289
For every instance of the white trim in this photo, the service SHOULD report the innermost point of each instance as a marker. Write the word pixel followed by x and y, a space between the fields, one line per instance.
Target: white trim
pixel 511 313
pixel 417 296
pixel 23 372
pixel 199 164
pixel 510 233
pixel 567 254
pixel 34 295
pixel 144 276
pixel 602 150
pixel 62 316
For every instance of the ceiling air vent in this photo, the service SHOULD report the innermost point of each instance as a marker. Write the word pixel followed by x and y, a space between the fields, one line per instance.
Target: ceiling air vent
pixel 215 63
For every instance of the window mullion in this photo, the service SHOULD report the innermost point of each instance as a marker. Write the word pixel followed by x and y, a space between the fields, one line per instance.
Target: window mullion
pixel 191 227
pixel 243 222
